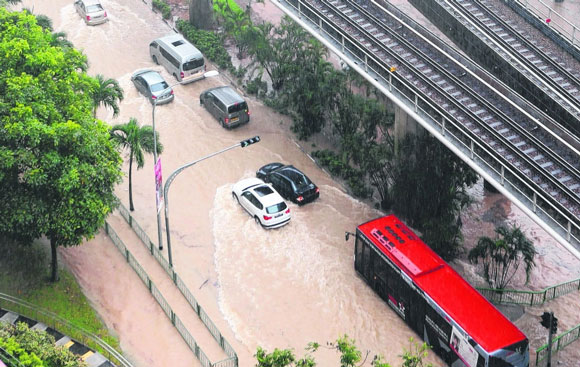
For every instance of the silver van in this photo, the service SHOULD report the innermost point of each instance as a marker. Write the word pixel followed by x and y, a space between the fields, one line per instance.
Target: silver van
pixel 179 57
pixel 226 105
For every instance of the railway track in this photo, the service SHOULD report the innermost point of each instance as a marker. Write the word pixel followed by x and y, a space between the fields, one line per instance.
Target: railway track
pixel 539 158
pixel 561 84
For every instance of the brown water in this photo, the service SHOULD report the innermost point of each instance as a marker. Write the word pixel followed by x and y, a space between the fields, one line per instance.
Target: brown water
pixel 281 288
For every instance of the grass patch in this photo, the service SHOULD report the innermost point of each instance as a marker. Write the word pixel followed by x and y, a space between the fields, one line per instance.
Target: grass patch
pixel 24 273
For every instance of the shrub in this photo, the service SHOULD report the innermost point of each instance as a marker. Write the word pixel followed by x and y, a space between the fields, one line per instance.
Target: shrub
pixel 210 44
pixel 355 178
pixel 163 7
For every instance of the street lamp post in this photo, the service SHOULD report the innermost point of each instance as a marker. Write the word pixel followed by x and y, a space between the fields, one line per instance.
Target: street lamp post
pixel 243 144
pixel 159 230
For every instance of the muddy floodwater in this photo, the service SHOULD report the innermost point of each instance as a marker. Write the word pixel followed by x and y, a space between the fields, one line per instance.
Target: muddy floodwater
pixel 276 289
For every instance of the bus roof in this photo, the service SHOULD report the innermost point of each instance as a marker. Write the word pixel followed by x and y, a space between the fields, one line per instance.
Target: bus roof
pixel 463 303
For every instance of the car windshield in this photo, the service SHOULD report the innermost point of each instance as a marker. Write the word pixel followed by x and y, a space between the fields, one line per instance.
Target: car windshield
pixel 237 107
pixel 263 190
pixel 159 87
pixel 193 64
pixel 94 8
pixel 276 208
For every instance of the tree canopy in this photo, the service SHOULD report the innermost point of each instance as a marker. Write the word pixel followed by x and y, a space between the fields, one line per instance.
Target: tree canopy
pixel 58 166
pixel 501 257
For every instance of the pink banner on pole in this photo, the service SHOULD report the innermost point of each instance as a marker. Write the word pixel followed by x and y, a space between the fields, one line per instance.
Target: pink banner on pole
pixel 158 185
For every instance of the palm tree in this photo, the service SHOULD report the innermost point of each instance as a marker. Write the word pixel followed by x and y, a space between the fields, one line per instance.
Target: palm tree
pixel 139 140
pixel 502 257
pixel 107 93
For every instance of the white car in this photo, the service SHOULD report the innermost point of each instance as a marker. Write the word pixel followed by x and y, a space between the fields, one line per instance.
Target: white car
pixel 262 202
pixel 91 11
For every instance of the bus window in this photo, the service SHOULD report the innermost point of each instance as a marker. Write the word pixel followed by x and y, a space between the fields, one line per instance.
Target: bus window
pixel 366 262
pixel 358 254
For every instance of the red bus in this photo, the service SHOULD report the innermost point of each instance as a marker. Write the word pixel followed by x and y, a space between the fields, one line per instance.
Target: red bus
pixel 462 327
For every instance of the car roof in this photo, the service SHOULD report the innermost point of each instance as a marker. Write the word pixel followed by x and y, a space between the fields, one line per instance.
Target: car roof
pixel 250 184
pixel 267 200
pixel 150 76
pixel 91 2
pixel 226 94
pixel 181 46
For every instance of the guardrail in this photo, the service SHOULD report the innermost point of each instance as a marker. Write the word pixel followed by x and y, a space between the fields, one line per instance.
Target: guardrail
pixel 54 321
pixel 558 343
pixel 440 123
pixel 557 22
pixel 9 359
pixel 232 360
pixel 529 298
pixel 158 297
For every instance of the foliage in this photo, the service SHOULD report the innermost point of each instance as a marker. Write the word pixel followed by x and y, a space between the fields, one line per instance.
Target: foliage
pixel 9 2
pixel 58 167
pixel 139 140
pixel 210 44
pixel 502 257
pixel 236 23
pixel 38 346
pixel 430 190
pixel 257 86
pixel 163 7
pixel 355 178
pixel 350 356
pixel 23 274
pixel 108 93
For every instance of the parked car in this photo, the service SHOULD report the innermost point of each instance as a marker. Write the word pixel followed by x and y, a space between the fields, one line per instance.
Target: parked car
pixel 226 105
pixel 262 202
pixel 290 182
pixel 91 11
pixel 152 85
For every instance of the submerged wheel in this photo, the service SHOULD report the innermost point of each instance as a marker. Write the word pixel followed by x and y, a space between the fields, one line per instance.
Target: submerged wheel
pixel 155 60
pixel 235 197
pixel 258 221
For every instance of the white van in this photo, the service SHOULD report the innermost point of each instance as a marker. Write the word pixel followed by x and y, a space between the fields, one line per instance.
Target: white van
pixel 179 57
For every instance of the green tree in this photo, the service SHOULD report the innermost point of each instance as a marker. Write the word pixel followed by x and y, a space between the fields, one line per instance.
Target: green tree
pixel 501 257
pixel 139 140
pixel 107 93
pixel 430 190
pixel 58 166
pixel 36 347
pixel 350 355
pixel 4 3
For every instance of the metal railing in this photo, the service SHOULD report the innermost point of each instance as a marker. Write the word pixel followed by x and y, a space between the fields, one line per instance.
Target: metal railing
pixel 559 343
pixel 189 340
pixel 54 321
pixel 9 359
pixel 440 123
pixel 557 22
pixel 232 360
pixel 529 298
pixel 224 344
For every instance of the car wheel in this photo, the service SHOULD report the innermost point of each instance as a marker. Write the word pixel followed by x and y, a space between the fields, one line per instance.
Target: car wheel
pixel 258 221
pixel 222 123
pixel 155 60
pixel 175 76
pixel 235 197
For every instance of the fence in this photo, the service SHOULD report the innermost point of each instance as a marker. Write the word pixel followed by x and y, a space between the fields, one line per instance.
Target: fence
pixel 558 23
pixel 530 298
pixel 232 360
pixel 52 320
pixel 159 298
pixel 559 343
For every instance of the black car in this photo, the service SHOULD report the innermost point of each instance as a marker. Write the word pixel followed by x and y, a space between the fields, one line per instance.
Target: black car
pixel 290 182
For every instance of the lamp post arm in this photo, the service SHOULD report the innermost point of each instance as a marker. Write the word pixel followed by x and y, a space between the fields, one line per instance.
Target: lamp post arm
pixel 166 191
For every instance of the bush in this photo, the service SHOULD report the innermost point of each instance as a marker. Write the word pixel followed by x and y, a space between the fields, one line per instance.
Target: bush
pixel 257 87
pixel 355 178
pixel 210 44
pixel 163 7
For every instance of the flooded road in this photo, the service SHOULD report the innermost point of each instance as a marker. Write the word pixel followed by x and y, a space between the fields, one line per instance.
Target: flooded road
pixel 276 289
